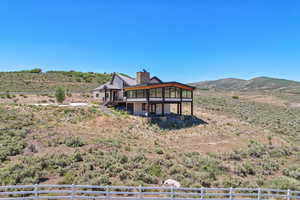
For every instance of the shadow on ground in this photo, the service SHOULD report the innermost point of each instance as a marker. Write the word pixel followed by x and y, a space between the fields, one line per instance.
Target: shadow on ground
pixel 173 122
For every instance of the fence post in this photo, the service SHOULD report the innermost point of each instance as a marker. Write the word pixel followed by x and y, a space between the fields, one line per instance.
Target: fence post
pixel 231 193
pixel 107 192
pixel 73 192
pixel 172 192
pixel 35 191
pixel 202 192
pixel 258 193
pixel 140 192
pixel 288 195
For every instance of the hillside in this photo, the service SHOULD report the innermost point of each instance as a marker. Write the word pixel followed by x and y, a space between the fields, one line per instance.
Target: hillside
pixel 255 84
pixel 241 143
pixel 37 81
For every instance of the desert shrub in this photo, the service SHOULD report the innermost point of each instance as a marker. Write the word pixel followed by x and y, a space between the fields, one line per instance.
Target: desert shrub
pixel 159 151
pixel 14 127
pixel 231 182
pixel 235 97
pixel 245 169
pixel 60 95
pixel 24 172
pixel 269 166
pixel 140 175
pixel 73 141
pixel 283 182
pixel 292 171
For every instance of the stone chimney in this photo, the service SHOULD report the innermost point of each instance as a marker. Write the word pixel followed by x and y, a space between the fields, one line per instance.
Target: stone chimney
pixel 142 77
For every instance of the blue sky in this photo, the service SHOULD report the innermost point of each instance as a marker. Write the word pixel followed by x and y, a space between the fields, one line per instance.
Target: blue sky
pixel 183 40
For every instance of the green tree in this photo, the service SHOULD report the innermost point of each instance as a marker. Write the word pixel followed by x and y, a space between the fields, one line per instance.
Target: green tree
pixel 60 95
pixel 36 70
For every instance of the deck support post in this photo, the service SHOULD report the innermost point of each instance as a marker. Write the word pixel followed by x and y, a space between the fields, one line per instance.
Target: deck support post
pixel 163 102
pixel 180 108
pixel 110 95
pixel 192 103
pixel 180 105
pixel 105 94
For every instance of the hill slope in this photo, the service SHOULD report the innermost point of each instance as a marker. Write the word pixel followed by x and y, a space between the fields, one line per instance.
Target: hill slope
pixel 259 83
pixel 242 144
pixel 37 81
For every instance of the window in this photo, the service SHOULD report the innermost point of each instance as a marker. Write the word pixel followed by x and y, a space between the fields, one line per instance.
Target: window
pixel 183 93
pixel 159 92
pixel 167 92
pixel 188 94
pixel 153 92
pixel 172 92
pixel 131 94
pixel 97 95
pixel 177 92
pixel 143 107
pixel 141 93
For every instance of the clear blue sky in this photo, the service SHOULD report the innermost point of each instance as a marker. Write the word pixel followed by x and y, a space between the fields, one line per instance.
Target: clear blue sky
pixel 176 40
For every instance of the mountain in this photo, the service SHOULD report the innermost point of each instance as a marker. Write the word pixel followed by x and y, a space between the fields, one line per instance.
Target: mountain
pixel 255 84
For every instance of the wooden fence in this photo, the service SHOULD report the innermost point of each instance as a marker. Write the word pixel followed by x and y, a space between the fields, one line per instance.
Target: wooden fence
pixel 23 192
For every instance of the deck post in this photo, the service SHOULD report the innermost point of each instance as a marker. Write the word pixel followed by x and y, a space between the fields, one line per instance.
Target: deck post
pixel 192 103
pixel 148 99
pixel 180 110
pixel 110 95
pixel 163 102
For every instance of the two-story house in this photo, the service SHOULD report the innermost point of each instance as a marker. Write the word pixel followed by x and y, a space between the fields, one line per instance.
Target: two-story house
pixel 144 95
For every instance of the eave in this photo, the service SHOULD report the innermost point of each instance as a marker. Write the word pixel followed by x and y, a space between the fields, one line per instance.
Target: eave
pixel 159 85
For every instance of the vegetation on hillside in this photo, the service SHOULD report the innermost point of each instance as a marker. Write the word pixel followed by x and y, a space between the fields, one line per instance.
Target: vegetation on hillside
pixel 85 146
pixel 255 84
pixel 37 81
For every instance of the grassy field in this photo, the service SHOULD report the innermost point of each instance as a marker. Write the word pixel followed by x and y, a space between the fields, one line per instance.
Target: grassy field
pixel 42 82
pixel 246 142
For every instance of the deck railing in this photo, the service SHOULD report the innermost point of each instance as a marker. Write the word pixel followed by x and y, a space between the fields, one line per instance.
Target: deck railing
pixel 23 192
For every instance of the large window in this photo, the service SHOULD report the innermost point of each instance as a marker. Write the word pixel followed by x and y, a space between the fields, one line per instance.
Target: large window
pixel 131 94
pixel 172 92
pixel 141 93
pixel 178 92
pixel 167 92
pixel 156 93
pixel 186 94
pixel 159 93
pixel 152 93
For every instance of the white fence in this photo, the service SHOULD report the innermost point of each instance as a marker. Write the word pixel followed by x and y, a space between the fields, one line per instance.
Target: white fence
pixel 23 192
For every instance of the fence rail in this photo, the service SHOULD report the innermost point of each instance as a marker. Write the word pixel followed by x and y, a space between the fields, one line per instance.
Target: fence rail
pixel 18 192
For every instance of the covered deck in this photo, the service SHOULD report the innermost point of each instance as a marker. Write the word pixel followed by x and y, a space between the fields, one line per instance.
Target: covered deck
pixel 155 97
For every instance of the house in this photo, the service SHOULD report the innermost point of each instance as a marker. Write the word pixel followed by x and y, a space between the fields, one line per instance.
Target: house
pixel 144 95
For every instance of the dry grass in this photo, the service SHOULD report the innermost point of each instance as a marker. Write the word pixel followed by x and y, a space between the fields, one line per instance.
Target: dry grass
pixel 222 152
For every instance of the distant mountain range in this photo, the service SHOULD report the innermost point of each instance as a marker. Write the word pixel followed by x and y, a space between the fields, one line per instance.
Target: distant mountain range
pixel 255 84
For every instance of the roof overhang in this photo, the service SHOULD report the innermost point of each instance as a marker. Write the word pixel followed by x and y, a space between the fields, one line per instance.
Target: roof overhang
pixel 159 85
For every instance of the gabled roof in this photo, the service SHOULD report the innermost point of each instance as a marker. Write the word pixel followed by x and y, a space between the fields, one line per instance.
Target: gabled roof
pixel 156 78
pixel 131 82
pixel 107 86
pixel 126 79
